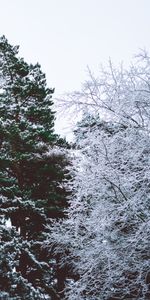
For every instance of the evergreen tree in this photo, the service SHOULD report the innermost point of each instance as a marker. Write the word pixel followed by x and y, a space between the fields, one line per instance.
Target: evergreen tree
pixel 33 167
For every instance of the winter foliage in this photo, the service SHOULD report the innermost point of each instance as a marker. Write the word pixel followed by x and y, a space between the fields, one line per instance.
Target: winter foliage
pixel 74 226
pixel 105 239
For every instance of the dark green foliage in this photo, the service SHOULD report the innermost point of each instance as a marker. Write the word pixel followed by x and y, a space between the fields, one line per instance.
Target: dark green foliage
pixel 33 165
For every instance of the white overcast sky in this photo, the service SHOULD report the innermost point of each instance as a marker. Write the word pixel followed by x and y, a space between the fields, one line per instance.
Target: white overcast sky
pixel 65 36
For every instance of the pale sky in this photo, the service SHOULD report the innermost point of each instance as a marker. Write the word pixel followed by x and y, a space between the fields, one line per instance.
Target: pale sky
pixel 65 36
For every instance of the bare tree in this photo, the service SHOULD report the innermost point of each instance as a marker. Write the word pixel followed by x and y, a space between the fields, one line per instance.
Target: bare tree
pixel 117 94
pixel 105 239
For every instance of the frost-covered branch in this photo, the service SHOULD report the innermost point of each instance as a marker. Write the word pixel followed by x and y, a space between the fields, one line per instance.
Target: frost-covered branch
pixel 105 239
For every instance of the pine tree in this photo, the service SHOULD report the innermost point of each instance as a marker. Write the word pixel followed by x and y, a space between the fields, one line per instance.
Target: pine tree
pixel 33 167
